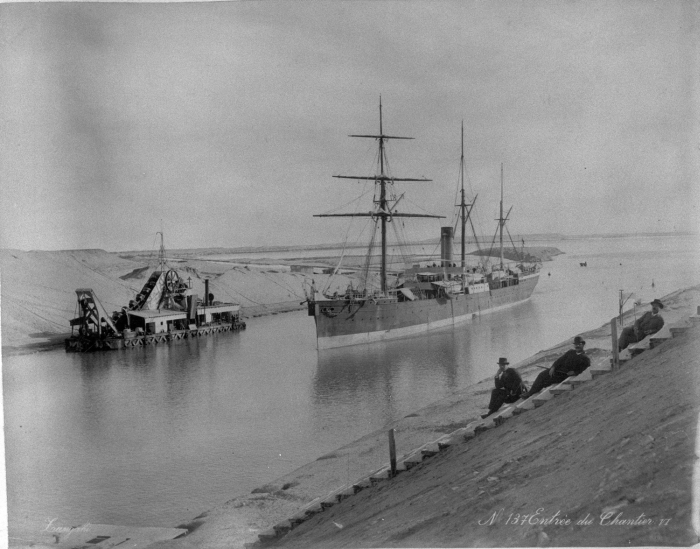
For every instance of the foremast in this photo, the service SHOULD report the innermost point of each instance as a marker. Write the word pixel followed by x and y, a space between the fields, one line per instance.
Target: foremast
pixel 383 210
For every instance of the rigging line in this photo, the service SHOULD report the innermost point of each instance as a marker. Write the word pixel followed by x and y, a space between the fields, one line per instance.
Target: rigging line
pixel 493 241
pixel 433 254
pixel 514 248
pixel 407 246
pixel 270 279
pixel 367 263
pixel 402 244
pixel 284 287
pixel 330 278
pixel 368 258
pixel 345 241
pixel 229 293
pixel 476 241
pixel 351 201
pixel 416 205
pixel 342 255
pixel 455 215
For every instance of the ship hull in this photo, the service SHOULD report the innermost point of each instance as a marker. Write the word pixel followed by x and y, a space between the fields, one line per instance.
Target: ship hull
pixel 340 323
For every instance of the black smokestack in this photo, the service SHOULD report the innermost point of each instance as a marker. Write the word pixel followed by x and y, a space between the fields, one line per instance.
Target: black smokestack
pixel 446 236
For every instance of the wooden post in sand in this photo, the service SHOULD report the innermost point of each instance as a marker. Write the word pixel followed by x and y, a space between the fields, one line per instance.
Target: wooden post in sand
pixel 392 452
pixel 616 354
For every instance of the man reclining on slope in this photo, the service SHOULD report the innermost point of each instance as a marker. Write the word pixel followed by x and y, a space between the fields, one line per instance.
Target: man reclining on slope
pixel 571 363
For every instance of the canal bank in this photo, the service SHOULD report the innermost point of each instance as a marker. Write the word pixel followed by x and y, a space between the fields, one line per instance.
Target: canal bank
pixel 240 520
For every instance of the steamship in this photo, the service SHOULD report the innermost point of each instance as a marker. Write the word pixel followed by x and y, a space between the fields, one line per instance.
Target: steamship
pixel 423 296
pixel 165 310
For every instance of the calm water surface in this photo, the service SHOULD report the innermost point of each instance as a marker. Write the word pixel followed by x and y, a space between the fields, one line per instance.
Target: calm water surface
pixel 155 436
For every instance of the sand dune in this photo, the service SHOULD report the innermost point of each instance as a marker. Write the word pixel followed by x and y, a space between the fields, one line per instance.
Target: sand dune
pixel 38 288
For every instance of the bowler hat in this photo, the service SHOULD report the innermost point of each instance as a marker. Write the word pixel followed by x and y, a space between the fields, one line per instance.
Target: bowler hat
pixel 503 361
pixel 579 339
pixel 657 303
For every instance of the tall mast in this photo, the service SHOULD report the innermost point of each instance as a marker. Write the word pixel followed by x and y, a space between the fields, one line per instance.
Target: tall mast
pixel 465 207
pixel 383 211
pixel 383 207
pixel 462 205
pixel 501 221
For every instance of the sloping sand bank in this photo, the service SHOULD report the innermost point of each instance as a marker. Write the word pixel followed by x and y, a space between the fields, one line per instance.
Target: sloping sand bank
pixel 609 464
pixel 623 443
pixel 38 289
pixel 39 300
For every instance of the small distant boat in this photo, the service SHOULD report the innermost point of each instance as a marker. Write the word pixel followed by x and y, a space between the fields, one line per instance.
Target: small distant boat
pixel 164 310
pixel 421 297
pixel 584 264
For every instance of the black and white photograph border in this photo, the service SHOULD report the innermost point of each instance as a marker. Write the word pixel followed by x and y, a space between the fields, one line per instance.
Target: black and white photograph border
pixel 206 136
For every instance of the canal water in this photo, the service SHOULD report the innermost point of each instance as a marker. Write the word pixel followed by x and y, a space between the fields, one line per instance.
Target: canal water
pixel 154 436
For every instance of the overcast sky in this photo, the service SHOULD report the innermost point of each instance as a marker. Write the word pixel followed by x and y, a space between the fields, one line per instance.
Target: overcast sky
pixel 226 121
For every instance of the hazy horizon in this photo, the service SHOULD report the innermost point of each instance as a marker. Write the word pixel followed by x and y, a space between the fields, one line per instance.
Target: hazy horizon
pixel 272 247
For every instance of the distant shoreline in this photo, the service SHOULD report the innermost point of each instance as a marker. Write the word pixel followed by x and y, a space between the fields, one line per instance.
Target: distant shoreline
pixel 331 246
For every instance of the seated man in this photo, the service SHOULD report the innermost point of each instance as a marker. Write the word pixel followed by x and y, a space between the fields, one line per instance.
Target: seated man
pixel 509 386
pixel 649 323
pixel 571 363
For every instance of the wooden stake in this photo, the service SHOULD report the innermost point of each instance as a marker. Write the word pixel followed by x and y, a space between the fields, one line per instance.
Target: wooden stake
pixel 392 452
pixel 616 354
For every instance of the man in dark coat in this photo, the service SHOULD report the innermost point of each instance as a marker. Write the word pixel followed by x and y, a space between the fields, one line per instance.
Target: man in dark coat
pixel 571 363
pixel 649 323
pixel 509 386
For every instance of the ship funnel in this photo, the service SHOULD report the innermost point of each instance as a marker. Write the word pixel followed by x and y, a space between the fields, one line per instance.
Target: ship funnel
pixel 206 292
pixel 446 237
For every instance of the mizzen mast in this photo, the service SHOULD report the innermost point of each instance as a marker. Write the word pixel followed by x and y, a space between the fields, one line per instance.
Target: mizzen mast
pixel 502 220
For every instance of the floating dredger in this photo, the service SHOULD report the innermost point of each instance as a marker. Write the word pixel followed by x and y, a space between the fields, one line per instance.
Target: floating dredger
pixel 164 310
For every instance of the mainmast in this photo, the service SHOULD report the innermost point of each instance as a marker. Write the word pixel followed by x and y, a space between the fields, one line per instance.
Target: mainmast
pixel 383 211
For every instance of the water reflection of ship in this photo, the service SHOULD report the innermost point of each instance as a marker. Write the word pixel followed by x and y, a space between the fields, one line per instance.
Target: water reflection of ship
pixel 421 297
pixel 389 380
pixel 394 377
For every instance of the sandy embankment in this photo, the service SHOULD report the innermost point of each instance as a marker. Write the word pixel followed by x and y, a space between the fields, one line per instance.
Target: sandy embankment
pixel 38 289
pixel 621 443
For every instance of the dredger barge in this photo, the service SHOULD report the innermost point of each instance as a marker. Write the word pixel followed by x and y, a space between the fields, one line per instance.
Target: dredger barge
pixel 164 310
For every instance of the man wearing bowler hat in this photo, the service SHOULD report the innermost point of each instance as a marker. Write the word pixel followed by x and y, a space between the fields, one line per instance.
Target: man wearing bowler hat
pixel 649 323
pixel 571 363
pixel 509 386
